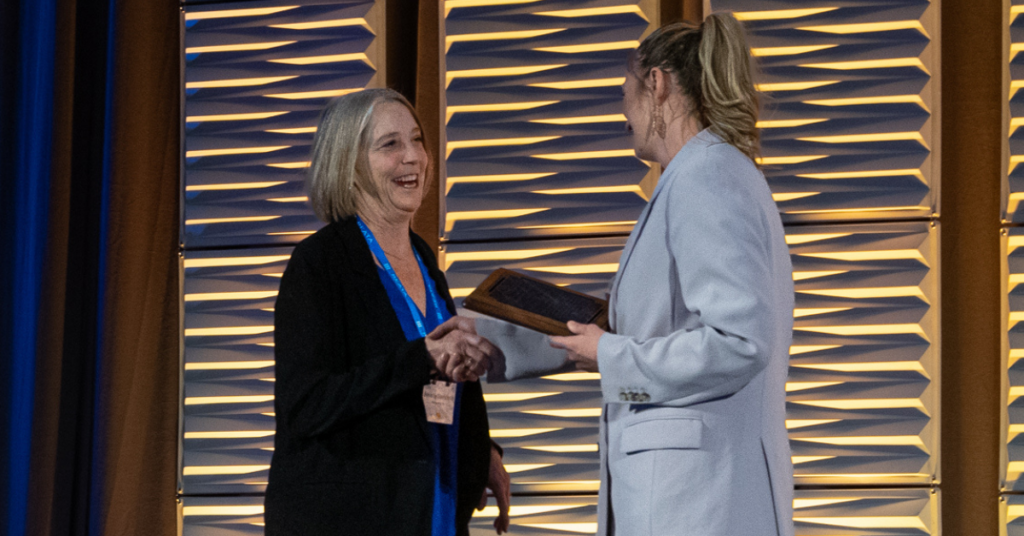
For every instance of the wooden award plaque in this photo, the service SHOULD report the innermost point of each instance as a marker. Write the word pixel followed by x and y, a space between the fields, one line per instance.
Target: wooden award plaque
pixel 535 304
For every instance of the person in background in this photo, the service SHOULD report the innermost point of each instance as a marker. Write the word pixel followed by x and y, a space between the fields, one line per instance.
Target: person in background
pixel 381 424
pixel 693 371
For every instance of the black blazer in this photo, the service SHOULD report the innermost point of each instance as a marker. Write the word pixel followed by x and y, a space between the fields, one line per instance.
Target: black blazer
pixel 352 454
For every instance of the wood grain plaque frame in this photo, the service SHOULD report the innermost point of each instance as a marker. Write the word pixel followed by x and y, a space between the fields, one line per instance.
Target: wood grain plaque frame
pixel 535 304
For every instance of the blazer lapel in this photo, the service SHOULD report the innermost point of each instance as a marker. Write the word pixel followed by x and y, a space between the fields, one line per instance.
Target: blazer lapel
pixel 386 325
pixel 627 252
pixel 365 279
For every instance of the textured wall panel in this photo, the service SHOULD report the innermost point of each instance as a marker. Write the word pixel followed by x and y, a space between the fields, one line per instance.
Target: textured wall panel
pixel 1011 515
pixel 221 516
pixel 891 512
pixel 228 407
pixel 862 390
pixel 547 426
pixel 863 397
pixel 535 134
pixel 1013 312
pixel 879 512
pixel 861 387
pixel 228 419
pixel 850 126
pixel 585 265
pixel 1013 111
pixel 256 76
pixel 541 516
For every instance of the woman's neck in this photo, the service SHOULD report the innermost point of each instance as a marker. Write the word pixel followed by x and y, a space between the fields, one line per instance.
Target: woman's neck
pixel 391 232
pixel 680 131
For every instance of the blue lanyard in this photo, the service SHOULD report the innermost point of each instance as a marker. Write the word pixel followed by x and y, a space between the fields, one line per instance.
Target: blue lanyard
pixel 382 258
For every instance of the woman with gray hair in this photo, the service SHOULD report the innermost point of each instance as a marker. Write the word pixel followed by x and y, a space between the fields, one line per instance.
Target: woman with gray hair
pixel 381 424
pixel 693 371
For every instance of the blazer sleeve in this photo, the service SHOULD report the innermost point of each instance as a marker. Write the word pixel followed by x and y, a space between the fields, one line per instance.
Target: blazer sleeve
pixel 718 239
pixel 313 395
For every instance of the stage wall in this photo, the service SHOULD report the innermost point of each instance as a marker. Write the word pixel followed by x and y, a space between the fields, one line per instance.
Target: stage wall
pixel 538 175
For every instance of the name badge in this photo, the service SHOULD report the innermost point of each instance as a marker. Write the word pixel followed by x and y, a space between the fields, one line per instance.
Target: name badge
pixel 439 400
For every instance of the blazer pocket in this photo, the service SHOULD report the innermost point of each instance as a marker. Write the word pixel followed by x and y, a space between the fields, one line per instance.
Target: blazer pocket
pixel 663 433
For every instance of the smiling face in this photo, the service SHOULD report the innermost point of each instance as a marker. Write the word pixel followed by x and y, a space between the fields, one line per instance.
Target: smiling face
pixel 397 161
pixel 636 102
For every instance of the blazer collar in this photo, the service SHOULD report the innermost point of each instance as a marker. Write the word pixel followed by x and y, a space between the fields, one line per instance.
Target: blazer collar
pixel 699 142
pixel 364 274
pixel 356 249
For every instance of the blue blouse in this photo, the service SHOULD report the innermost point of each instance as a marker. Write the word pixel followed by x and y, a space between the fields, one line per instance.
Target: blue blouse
pixel 444 438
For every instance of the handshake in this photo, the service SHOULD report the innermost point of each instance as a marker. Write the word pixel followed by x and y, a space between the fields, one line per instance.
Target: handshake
pixel 459 354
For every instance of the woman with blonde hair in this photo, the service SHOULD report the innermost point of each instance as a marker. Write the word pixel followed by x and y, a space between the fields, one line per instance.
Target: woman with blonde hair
pixel 693 370
pixel 381 424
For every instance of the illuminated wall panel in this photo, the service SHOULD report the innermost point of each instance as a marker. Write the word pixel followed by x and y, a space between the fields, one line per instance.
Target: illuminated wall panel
pixel 541 516
pixel 256 76
pixel 891 512
pixel 854 512
pixel 850 125
pixel 1013 111
pixel 862 390
pixel 863 397
pixel 536 143
pixel 548 426
pixel 221 516
pixel 1012 461
pixel 1011 515
pixel 535 148
pixel 585 265
pixel 228 419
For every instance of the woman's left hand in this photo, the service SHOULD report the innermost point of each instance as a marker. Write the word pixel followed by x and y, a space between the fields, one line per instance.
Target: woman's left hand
pixel 499 483
pixel 582 346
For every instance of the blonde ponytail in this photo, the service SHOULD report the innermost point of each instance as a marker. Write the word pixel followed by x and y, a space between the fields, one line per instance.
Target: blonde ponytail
pixel 729 100
pixel 711 65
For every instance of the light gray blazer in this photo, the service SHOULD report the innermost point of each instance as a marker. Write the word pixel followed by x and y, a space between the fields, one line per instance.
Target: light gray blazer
pixel 693 437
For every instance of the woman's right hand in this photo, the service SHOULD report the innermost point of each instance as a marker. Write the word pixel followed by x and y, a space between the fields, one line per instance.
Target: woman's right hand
pixel 458 352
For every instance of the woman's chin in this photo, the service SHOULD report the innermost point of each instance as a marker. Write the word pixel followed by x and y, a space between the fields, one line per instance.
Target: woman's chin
pixel 406 204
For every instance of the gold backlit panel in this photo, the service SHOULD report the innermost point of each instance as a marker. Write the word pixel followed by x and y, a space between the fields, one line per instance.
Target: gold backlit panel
pixel 535 149
pixel 862 512
pixel 228 405
pixel 255 80
pixel 1012 459
pixel 862 387
pixel 541 516
pixel 863 392
pixel 535 137
pixel 1013 113
pixel 862 395
pixel 1011 515
pixel 853 512
pixel 220 516
pixel 850 121
pixel 550 424
pixel 228 421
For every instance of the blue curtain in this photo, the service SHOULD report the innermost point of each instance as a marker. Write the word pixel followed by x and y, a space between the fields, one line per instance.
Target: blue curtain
pixel 34 32
pixel 28 109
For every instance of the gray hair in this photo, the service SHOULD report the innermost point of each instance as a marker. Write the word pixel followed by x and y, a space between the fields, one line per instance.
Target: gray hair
pixel 339 170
